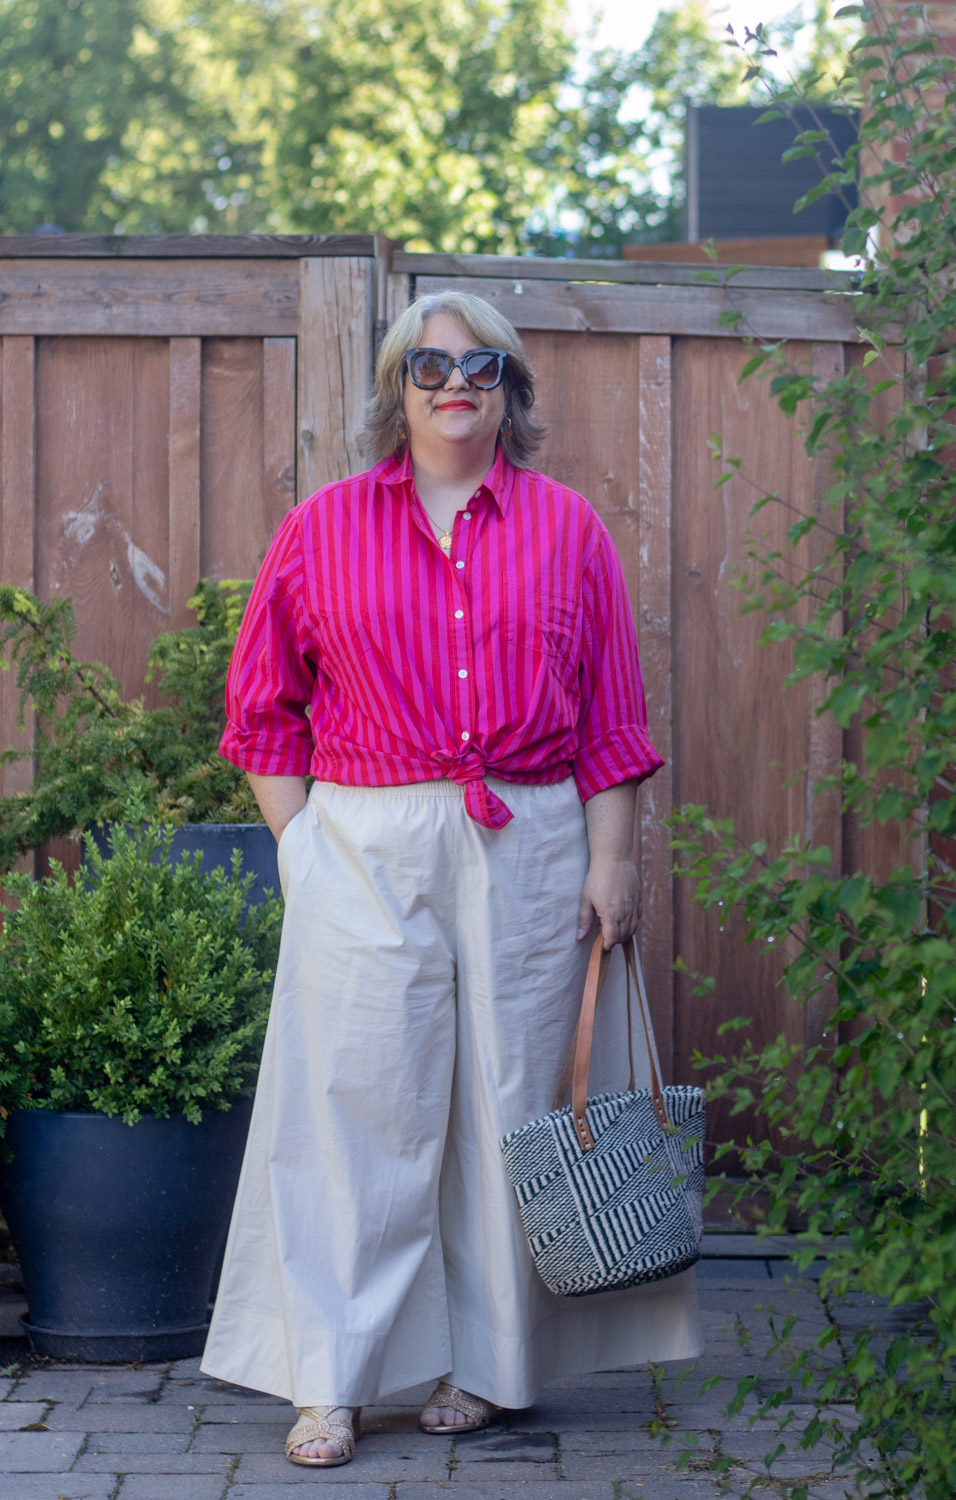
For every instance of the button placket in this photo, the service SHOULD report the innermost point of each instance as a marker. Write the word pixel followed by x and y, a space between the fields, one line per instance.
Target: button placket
pixel 461 542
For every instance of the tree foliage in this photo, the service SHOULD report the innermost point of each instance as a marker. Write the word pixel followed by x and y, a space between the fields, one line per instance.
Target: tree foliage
pixel 862 1126
pixel 472 129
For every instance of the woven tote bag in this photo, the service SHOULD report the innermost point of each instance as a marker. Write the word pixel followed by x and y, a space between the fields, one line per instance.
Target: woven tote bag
pixel 610 1189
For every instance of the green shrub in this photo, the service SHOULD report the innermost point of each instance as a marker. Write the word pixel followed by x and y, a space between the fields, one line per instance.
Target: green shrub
pixel 92 749
pixel 861 1128
pixel 142 988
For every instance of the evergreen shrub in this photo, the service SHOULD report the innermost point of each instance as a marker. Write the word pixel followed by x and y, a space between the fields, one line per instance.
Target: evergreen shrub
pixel 142 988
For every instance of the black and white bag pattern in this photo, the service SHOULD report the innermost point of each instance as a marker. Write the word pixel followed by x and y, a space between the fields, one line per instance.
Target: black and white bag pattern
pixel 626 1209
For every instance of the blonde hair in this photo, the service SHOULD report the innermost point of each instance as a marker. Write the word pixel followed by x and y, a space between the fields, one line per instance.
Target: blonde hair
pixel 385 432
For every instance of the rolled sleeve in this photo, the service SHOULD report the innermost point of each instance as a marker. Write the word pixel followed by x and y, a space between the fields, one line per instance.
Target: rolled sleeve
pixel 270 681
pixel 613 742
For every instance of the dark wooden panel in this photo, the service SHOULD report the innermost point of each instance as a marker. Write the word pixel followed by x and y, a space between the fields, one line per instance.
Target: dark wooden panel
pixel 235 524
pixel 185 367
pixel 736 734
pixel 149 297
pixel 581 307
pixel 182 246
pixel 336 309
pixel 654 631
pixel 278 430
pixel 17 519
pixel 102 493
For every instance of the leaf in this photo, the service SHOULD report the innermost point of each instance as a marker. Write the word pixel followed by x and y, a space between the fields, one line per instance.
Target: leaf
pixel 844 702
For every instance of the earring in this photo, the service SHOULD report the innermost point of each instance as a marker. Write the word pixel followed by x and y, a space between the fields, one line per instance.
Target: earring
pixel 402 426
pixel 506 428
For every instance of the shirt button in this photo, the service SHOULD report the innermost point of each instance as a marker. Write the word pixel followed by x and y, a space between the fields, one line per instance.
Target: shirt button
pixel 462 672
pixel 459 564
pixel 467 515
pixel 465 735
pixel 459 614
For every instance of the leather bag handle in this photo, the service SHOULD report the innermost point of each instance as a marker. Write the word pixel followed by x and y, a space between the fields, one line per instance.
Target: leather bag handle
pixel 578 1060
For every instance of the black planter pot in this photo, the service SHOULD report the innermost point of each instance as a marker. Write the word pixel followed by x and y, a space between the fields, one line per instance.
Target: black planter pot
pixel 119 1228
pixel 216 841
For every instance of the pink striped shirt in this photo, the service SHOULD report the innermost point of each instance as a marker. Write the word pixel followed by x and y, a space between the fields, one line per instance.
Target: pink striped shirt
pixel 370 658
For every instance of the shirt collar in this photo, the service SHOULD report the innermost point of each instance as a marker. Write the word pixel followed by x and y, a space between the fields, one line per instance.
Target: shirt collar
pixel 499 481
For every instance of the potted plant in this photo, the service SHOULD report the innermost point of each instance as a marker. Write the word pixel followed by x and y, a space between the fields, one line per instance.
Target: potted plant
pixel 133 1005
pixel 92 750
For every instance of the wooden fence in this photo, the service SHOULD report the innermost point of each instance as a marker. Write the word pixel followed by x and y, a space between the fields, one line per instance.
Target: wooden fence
pixel 163 402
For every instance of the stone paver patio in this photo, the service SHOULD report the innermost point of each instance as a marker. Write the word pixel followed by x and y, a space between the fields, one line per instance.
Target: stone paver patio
pixel 166 1432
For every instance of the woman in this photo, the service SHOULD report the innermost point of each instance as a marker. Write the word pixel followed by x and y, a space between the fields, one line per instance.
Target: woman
pixel 445 643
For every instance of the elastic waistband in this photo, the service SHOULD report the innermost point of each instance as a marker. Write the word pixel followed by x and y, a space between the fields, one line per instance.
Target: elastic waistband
pixel 444 788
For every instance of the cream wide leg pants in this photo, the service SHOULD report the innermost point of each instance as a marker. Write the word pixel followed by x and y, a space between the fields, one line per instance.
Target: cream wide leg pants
pixel 427 988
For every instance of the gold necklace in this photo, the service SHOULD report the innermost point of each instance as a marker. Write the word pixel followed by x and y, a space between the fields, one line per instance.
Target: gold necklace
pixel 444 532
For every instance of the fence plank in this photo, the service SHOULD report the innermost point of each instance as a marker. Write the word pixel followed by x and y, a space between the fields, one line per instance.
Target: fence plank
pixel 185 372
pixel 234 520
pixel 336 308
pixel 739 741
pixel 824 813
pixel 159 297
pixel 182 246
pixel 582 307
pixel 656 797
pixel 102 493
pixel 278 432
pixel 646 273
pixel 17 519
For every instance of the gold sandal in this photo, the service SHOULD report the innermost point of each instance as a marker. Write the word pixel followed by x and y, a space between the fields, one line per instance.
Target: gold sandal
pixel 325 1424
pixel 478 1411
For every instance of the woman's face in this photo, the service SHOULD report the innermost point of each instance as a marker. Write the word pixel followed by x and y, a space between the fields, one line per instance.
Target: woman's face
pixel 456 413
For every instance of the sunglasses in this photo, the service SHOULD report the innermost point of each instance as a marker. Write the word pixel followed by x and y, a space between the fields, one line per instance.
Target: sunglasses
pixel 431 368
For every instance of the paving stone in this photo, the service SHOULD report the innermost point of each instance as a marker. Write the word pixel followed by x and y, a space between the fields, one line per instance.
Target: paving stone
pixel 787 1270
pixel 240 1437
pixel 126 1385
pixel 39 1452
pixel 513 1447
pixel 275 1412
pixel 184 1487
pixel 636 1465
pixel 518 1473
pixel 54 1384
pixel 749 1445
pixel 569 1421
pixel 123 1417
pixel 154 1463
pixel 16 1415
pixel 377 1460
pixel 356 1492
pixel 606 1444
pixel 137 1442
pixel 210 1392
pixel 679 1487
pixel 499 1487
pixel 733 1273
pixel 6 1386
pixel 63 1487
pixel 841 1489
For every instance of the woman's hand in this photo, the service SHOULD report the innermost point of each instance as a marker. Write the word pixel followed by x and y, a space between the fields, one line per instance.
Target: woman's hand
pixel 612 893
pixel 612 889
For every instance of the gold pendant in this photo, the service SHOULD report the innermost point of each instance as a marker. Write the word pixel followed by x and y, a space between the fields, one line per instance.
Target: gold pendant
pixel 444 541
